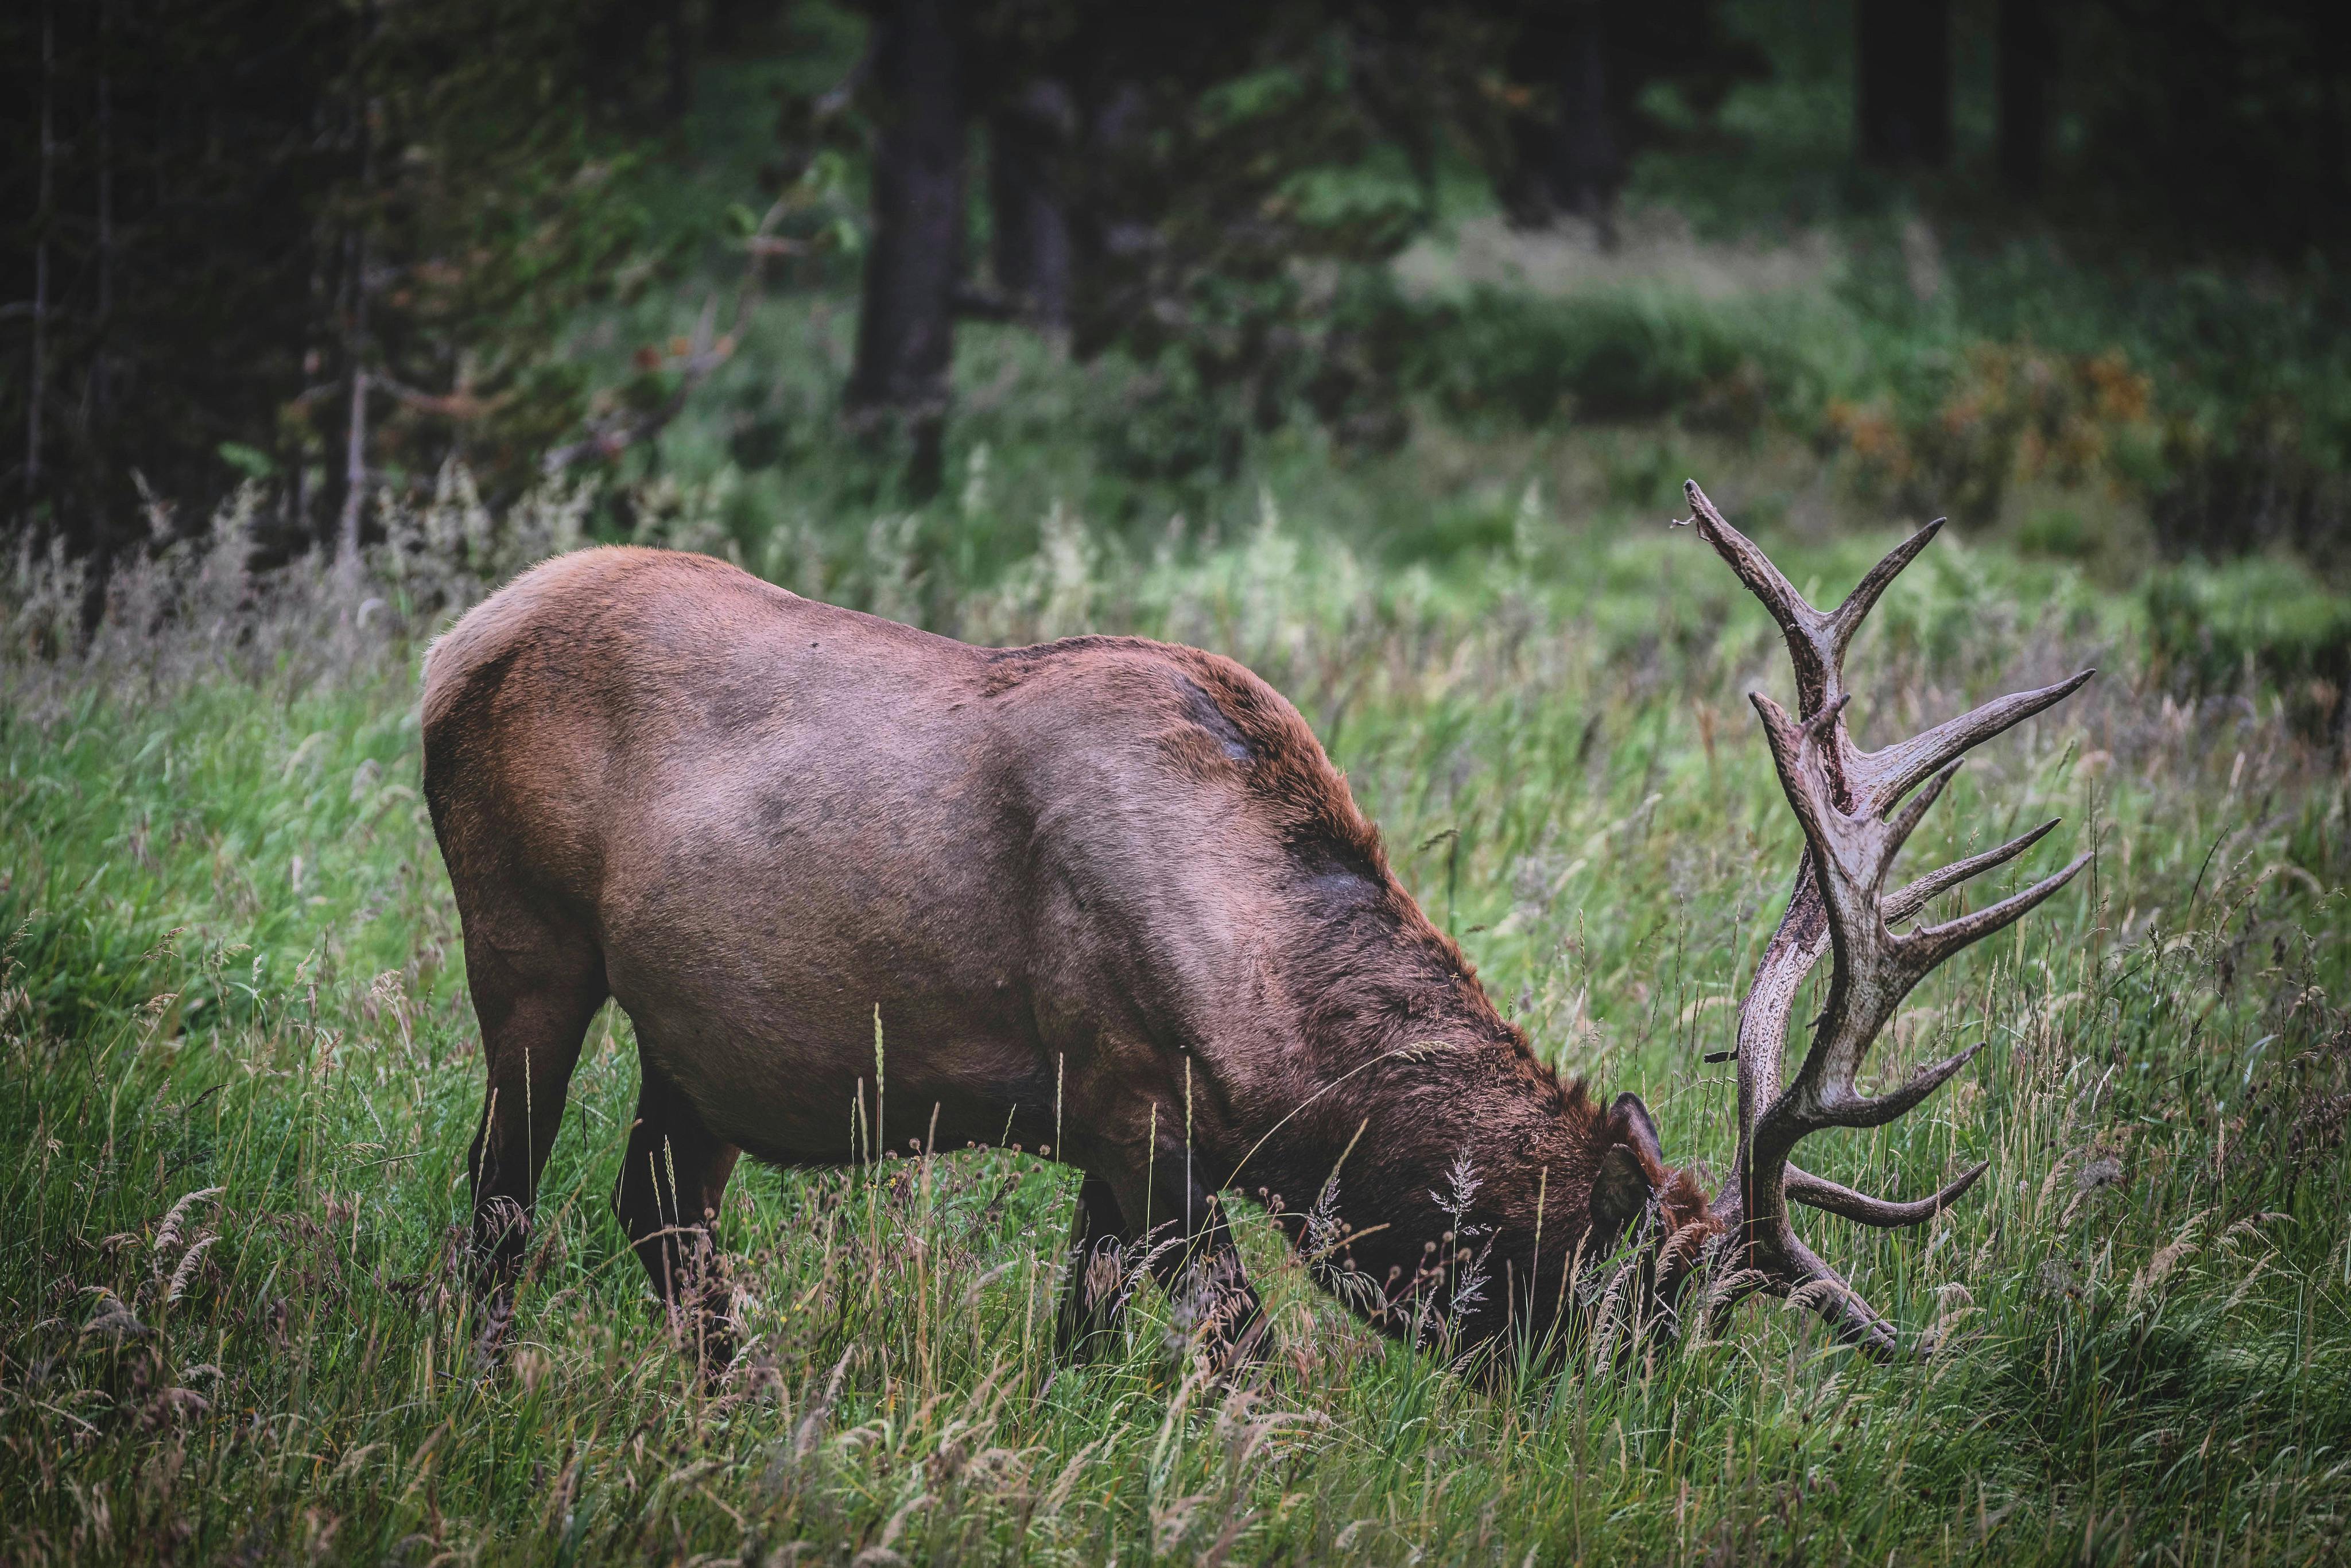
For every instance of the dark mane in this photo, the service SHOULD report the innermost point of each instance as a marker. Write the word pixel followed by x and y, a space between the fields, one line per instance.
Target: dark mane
pixel 1385 957
pixel 1251 725
pixel 1385 975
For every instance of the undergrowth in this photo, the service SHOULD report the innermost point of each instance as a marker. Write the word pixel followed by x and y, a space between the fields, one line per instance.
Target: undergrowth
pixel 241 1072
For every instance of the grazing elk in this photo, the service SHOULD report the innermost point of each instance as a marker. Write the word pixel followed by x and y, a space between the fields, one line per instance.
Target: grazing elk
pixel 1110 896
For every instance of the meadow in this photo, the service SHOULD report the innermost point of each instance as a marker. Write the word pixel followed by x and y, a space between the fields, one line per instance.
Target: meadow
pixel 241 1073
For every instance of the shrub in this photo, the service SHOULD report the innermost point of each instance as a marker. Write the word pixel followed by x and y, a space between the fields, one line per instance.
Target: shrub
pixel 2258 620
pixel 1964 429
pixel 1607 357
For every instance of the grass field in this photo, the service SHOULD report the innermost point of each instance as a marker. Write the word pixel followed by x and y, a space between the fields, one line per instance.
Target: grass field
pixel 240 1073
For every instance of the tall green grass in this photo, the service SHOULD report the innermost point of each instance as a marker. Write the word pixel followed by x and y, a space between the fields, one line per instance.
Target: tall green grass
pixel 240 1075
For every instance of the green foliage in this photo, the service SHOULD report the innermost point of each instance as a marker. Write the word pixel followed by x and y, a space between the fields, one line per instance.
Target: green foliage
pixel 2259 618
pixel 238 209
pixel 2221 416
pixel 234 966
pixel 492 206
pixel 1960 431
pixel 2183 237
pixel 1610 358
pixel 515 217
pixel 1257 168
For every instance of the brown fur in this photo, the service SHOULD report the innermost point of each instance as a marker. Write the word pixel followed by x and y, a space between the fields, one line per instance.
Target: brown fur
pixel 1087 885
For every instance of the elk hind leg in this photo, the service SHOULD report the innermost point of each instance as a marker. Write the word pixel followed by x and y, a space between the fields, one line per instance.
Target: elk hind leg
pixel 673 1184
pixel 534 1001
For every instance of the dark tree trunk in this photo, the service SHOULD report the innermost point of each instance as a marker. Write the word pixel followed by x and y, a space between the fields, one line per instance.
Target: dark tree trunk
pixel 351 516
pixel 1570 159
pixel 1902 69
pixel 1028 141
pixel 1111 245
pixel 905 324
pixel 104 168
pixel 678 42
pixel 36 383
pixel 347 519
pixel 2027 61
pixel 1588 163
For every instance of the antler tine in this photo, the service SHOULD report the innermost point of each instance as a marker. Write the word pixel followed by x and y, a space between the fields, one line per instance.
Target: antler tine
pixel 1912 899
pixel 1876 970
pixel 1754 568
pixel 1937 943
pixel 1806 1279
pixel 1906 822
pixel 1847 617
pixel 1853 1110
pixel 1850 853
pixel 1817 640
pixel 1795 751
pixel 1886 775
pixel 1817 643
pixel 1813 643
pixel 1884 1214
pixel 1797 946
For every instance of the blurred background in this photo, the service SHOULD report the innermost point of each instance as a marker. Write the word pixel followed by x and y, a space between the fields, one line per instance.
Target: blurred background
pixel 764 276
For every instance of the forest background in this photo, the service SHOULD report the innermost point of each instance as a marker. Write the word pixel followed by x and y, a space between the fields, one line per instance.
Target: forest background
pixel 2070 273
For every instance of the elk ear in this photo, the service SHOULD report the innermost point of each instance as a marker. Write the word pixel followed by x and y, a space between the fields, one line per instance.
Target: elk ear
pixel 1632 1168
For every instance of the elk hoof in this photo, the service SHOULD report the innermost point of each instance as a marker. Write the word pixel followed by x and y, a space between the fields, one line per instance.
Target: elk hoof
pixel 497 1322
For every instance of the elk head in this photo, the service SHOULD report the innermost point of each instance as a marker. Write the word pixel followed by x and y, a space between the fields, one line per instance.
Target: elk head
pixel 1852 805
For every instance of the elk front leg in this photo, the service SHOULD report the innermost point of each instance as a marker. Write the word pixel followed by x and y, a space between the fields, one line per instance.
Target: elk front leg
pixel 1093 1302
pixel 1214 1302
pixel 673 1181
pixel 1192 1253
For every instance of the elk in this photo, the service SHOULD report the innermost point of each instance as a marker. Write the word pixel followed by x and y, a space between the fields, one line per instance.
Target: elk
pixel 1107 899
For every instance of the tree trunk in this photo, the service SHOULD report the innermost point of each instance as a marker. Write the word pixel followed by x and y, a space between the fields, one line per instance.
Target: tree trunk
pixel 678 41
pixel 1902 69
pixel 1569 160
pixel 346 529
pixel 360 110
pixel 905 324
pixel 104 163
pixel 1588 165
pixel 2027 46
pixel 1027 140
pixel 36 385
pixel 97 389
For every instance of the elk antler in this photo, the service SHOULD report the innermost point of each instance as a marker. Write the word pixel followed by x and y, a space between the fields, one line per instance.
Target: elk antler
pixel 1844 798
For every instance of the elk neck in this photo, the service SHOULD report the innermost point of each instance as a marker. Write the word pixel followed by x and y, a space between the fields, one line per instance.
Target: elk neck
pixel 1427 1102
